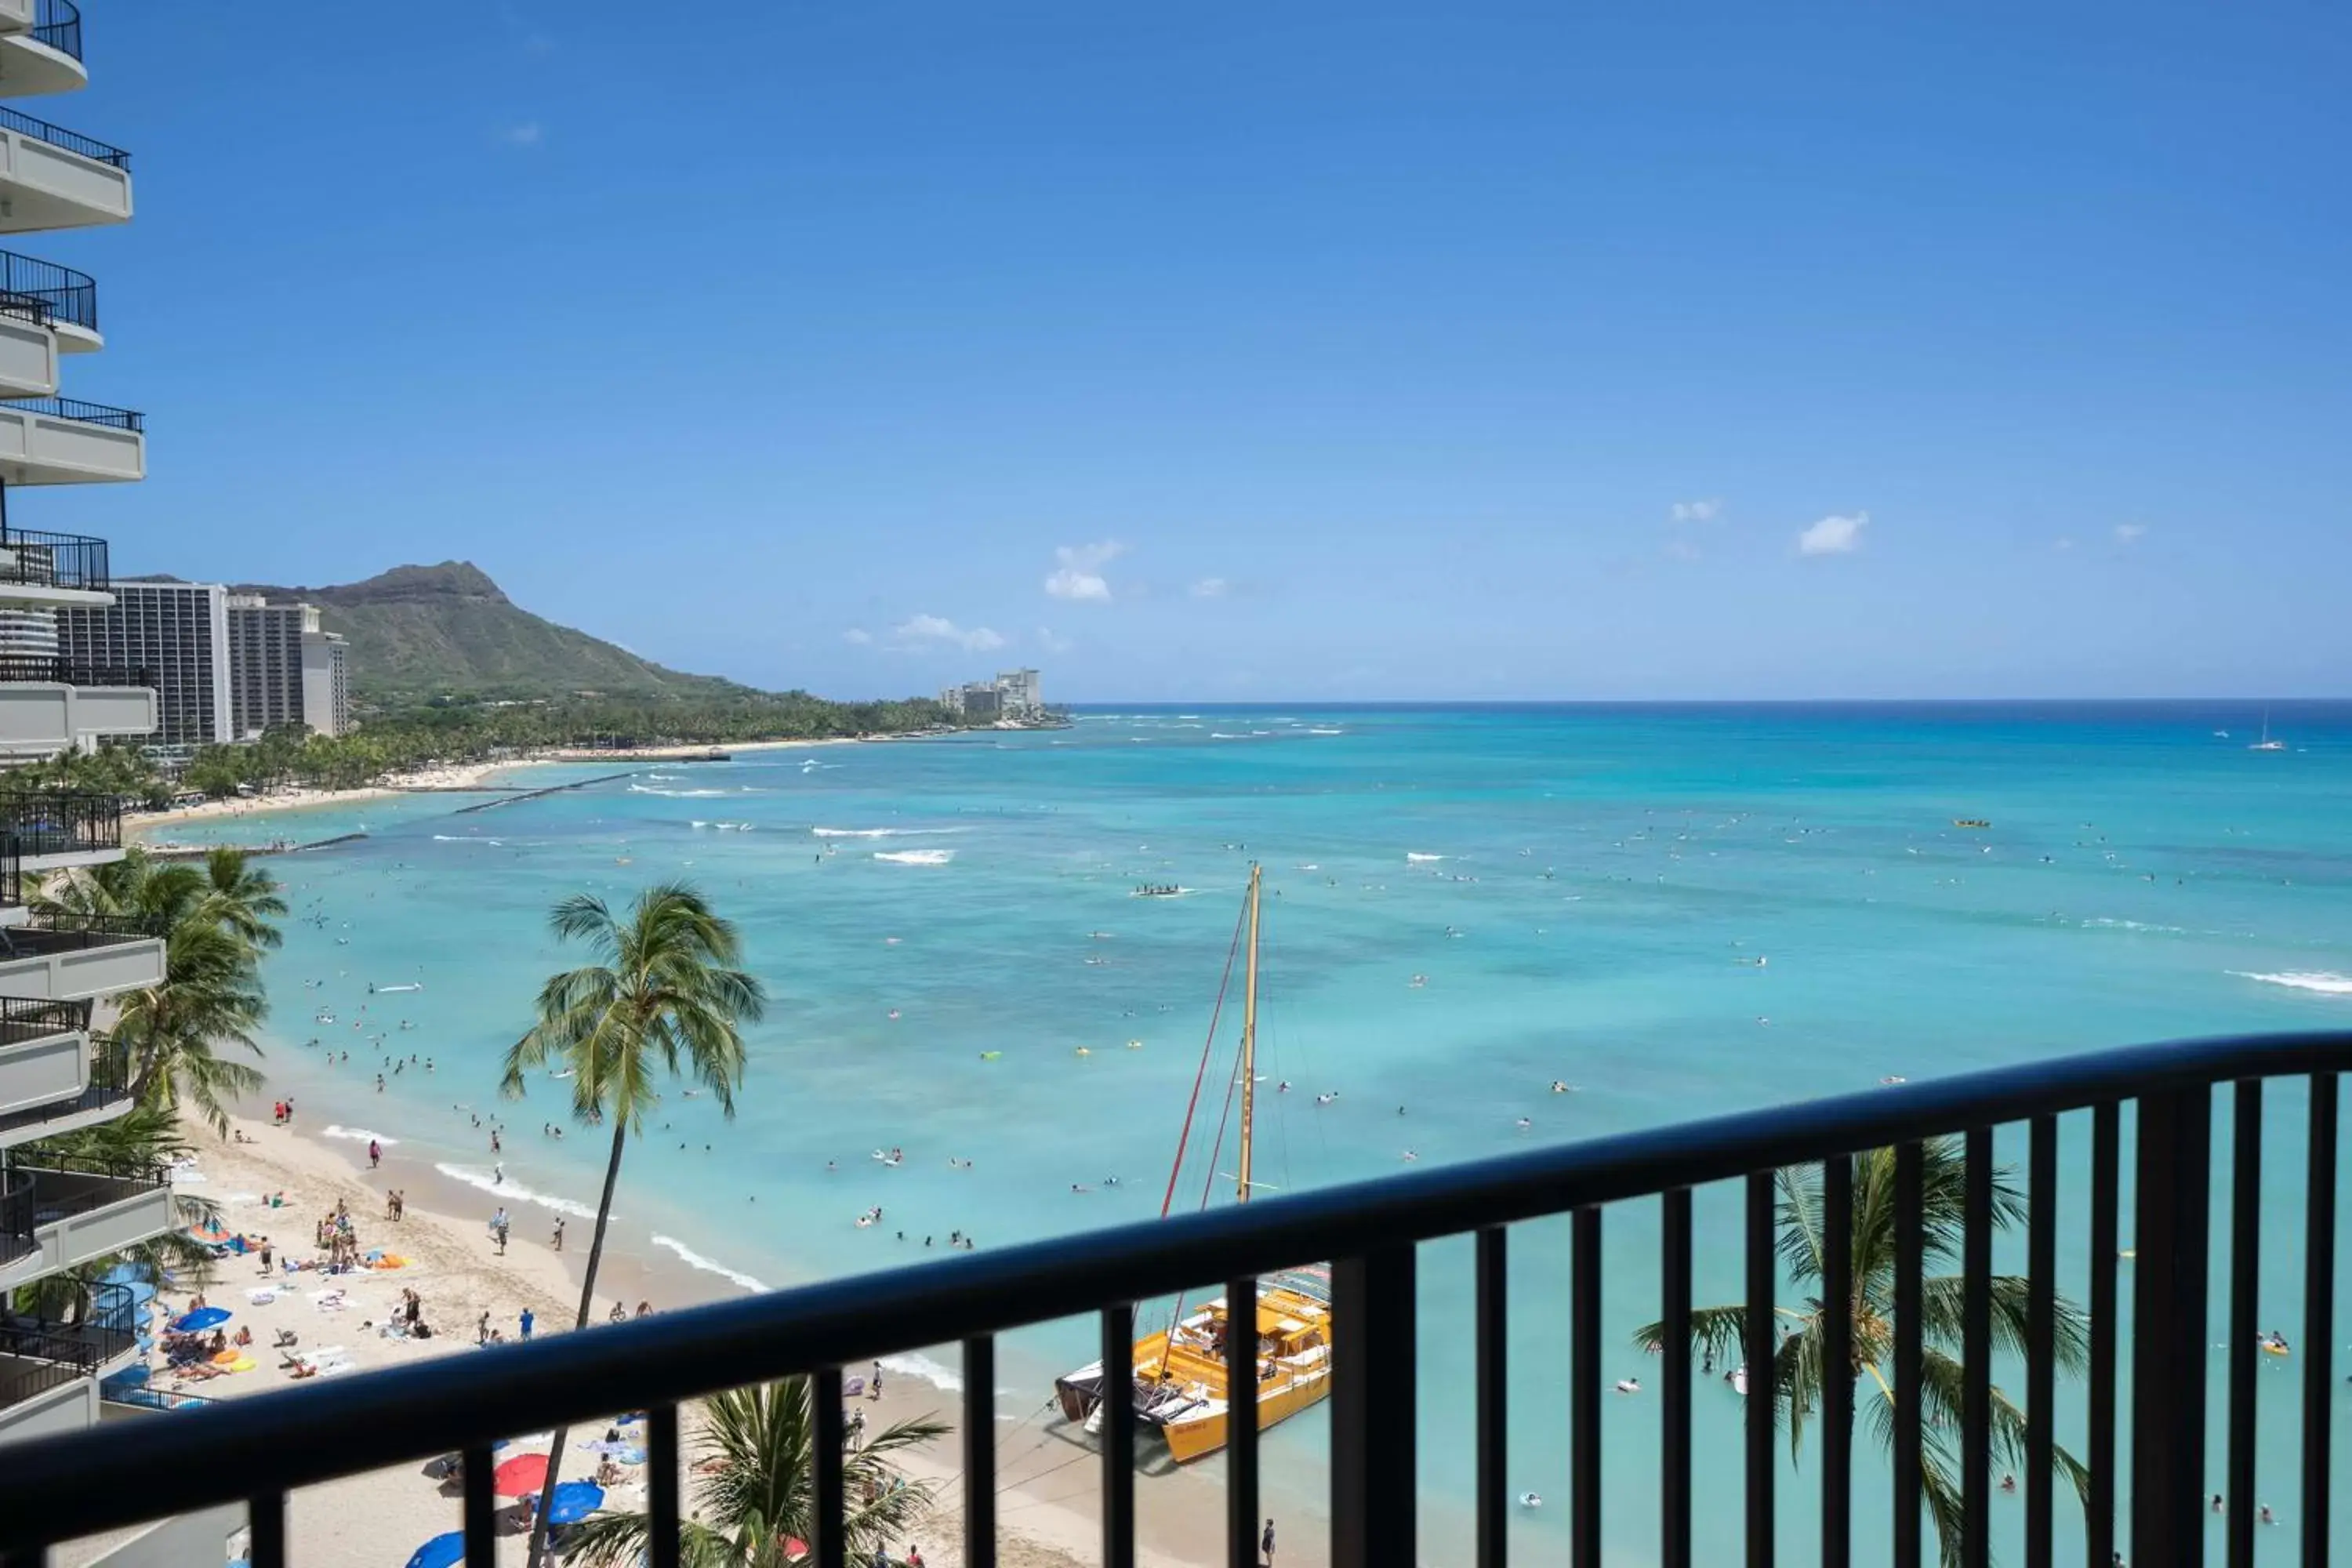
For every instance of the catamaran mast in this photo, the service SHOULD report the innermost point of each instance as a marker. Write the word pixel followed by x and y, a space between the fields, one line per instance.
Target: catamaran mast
pixel 1249 1038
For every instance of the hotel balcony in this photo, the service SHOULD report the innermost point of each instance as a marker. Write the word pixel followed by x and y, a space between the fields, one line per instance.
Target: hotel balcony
pixel 40 48
pixel 54 829
pixel 1927 1362
pixel 50 1372
pixel 77 958
pixel 61 1212
pixel 46 311
pixel 64 441
pixel 51 177
pixel 50 704
pixel 54 1078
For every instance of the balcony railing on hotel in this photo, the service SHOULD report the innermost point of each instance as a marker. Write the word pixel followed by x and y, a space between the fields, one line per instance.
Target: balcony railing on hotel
pixel 58 24
pixel 74 408
pixel 36 290
pixel 27 1018
pixel 85 1346
pixel 58 136
pixel 46 669
pixel 109 1063
pixel 1368 1233
pixel 60 822
pixel 25 1378
pixel 42 560
pixel 53 1188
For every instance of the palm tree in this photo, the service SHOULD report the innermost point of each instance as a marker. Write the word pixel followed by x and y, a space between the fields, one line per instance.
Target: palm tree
pixel 215 924
pixel 663 993
pixel 1797 1373
pixel 755 1488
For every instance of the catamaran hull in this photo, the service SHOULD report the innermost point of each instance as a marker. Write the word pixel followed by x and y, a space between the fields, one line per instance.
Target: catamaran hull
pixel 1201 1436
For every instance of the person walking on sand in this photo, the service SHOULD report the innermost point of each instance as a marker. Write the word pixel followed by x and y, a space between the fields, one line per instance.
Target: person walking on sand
pixel 375 1154
pixel 482 1329
pixel 1266 1543
pixel 559 1233
pixel 525 1321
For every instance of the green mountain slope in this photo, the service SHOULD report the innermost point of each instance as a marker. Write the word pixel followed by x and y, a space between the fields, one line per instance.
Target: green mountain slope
pixel 425 631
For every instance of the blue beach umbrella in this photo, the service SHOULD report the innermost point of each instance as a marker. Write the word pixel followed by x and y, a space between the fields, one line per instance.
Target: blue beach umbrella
pixel 200 1319
pixel 574 1502
pixel 441 1551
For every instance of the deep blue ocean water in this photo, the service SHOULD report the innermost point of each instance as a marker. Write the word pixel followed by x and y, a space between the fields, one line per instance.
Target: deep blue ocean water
pixel 1585 892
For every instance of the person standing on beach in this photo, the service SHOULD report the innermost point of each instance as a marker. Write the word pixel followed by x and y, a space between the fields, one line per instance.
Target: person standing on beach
pixel 526 1320
pixel 375 1154
pixel 482 1329
pixel 1266 1543
pixel 559 1233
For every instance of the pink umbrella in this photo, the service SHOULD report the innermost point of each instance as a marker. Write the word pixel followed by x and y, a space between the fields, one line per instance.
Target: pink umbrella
pixel 521 1476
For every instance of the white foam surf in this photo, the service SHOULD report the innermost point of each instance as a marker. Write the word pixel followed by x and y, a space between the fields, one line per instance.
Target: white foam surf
pixel 678 794
pixel 513 1191
pixel 359 1135
pixel 2321 981
pixel 884 832
pixel 942 1378
pixel 915 857
pixel 694 1259
pixel 1413 855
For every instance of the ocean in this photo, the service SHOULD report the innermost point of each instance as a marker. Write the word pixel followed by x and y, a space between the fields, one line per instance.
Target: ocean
pixel 1679 910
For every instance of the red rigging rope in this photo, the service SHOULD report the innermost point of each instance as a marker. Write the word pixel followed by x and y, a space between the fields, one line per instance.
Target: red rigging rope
pixel 1168 1201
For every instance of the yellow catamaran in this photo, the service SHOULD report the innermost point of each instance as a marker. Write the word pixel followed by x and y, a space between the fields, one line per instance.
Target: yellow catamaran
pixel 1180 1387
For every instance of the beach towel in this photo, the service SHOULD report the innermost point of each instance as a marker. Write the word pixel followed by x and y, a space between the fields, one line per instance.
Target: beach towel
pixel 261 1295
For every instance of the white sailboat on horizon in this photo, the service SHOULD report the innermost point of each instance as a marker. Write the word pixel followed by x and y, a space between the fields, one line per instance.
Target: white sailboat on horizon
pixel 2266 743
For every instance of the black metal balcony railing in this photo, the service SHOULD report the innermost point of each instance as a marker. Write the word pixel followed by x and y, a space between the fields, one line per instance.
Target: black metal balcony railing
pixel 60 1186
pixel 44 669
pixel 57 22
pixel 1369 1232
pixel 25 1378
pixel 85 1346
pixel 23 1019
pixel 43 292
pixel 60 823
pixel 53 560
pixel 74 408
pixel 16 1214
pixel 61 931
pixel 72 141
pixel 109 1085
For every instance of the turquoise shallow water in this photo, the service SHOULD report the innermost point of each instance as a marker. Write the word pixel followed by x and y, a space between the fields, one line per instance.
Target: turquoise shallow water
pixel 1584 889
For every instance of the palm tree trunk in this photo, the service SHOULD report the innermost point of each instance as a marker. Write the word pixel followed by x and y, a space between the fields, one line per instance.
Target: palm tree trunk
pixel 587 1301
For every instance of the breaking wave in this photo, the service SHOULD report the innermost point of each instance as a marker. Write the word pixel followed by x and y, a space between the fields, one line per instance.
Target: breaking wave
pixel 694 1259
pixel 915 857
pixel 2321 981
pixel 359 1135
pixel 514 1191
pixel 884 832
pixel 678 794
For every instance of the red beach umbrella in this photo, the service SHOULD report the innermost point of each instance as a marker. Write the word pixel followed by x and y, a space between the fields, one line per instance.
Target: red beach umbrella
pixel 521 1476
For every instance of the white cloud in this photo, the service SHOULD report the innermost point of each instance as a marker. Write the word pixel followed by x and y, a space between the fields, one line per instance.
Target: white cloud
pixel 530 133
pixel 1697 510
pixel 926 629
pixel 857 635
pixel 1211 588
pixel 1834 535
pixel 1052 642
pixel 2130 532
pixel 1079 574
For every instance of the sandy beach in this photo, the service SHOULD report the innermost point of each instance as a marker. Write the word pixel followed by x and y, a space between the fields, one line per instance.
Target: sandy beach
pixel 272 1182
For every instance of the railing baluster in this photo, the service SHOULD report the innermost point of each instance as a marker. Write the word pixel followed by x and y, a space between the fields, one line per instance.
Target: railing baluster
pixel 1584 1391
pixel 1837 1361
pixel 662 1486
pixel 828 1439
pixel 1673 1485
pixel 1119 1436
pixel 1494 1311
pixel 2174 1172
pixel 1763 1385
pixel 1372 1411
pixel 979 1451
pixel 266 1515
pixel 2245 1260
pixel 1910 1181
pixel 2318 1317
pixel 2107 1159
pixel 2041 1335
pixel 1976 1352
pixel 1241 1423
pixel 478 1512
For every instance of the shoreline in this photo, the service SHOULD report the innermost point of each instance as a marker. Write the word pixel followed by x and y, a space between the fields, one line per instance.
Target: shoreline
pixel 458 778
pixel 1047 1476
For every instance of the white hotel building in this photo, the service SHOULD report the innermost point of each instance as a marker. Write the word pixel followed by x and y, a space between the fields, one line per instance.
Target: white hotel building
pixel 57 1212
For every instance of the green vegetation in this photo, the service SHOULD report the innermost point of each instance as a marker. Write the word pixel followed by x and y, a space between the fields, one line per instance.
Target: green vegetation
pixel 662 997
pixel 754 1499
pixel 216 920
pixel 1799 1375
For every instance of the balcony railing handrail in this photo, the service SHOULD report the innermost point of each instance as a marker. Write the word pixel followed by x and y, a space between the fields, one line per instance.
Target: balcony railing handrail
pixel 85 1346
pixel 24 1018
pixel 73 141
pixel 75 410
pixel 70 930
pixel 29 1377
pixel 24 668
pixel 82 1483
pixel 57 22
pixel 59 293
pixel 45 560
pixel 57 822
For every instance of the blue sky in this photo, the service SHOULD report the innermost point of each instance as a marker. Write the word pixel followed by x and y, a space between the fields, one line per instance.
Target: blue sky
pixel 1221 352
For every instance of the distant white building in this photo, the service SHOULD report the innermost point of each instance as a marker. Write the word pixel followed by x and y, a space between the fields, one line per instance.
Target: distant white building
pixel 952 698
pixel 177 631
pixel 284 669
pixel 1017 691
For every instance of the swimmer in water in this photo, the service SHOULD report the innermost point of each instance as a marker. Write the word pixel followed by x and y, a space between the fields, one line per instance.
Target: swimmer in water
pixel 1524 1123
pixel 1325 1099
